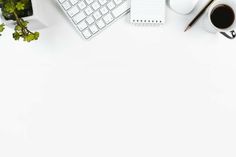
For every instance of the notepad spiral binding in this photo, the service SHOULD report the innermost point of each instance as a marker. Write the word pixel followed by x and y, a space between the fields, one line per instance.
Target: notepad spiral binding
pixel 148 11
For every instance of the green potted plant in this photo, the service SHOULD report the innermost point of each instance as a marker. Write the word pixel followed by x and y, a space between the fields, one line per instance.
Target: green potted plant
pixel 18 14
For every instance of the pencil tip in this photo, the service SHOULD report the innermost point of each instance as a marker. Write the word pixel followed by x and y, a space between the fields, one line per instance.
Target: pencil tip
pixel 186 29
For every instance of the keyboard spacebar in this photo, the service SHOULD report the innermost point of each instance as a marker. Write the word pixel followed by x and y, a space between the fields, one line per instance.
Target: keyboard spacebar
pixel 121 9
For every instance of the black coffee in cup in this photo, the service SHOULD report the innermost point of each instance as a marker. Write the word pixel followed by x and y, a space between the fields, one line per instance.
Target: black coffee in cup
pixel 222 16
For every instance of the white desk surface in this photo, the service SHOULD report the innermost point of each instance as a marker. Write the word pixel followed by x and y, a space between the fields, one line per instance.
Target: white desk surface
pixel 130 92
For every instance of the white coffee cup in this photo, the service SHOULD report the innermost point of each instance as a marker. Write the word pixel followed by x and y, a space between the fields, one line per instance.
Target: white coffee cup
pixel 210 27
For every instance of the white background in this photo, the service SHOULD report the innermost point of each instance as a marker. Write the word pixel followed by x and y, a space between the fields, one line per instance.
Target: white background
pixel 129 92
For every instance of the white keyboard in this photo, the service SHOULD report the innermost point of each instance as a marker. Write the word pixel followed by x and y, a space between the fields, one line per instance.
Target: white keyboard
pixel 91 16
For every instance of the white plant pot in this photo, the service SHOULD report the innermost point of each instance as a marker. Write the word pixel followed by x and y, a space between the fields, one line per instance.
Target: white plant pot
pixel 36 21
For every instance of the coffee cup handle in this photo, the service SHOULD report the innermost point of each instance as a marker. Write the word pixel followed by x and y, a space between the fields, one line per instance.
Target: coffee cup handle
pixel 231 36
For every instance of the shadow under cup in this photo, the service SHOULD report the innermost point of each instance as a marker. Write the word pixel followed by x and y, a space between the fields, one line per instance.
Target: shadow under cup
pixel 222 17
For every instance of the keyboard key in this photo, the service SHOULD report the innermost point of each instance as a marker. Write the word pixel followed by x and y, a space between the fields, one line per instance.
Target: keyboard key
pixel 97 15
pixel 111 5
pixel 100 24
pixel 89 1
pixel 87 34
pixel 90 20
pixel 104 10
pixel 102 2
pixel 82 25
pixel 61 1
pixel 72 12
pixel 120 9
pixel 108 18
pixel 73 2
pixel 117 1
pixel 66 5
pixel 95 5
pixel 93 29
pixel 79 17
pixel 82 5
pixel 88 10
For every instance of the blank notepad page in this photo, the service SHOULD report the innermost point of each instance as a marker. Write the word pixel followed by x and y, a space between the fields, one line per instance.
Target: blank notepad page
pixel 148 11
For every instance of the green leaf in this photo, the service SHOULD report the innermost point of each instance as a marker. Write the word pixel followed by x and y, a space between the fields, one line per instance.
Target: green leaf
pixel 24 23
pixel 2 27
pixel 29 37
pixel 36 35
pixel 16 36
pixel 18 28
pixel 9 7
pixel 20 6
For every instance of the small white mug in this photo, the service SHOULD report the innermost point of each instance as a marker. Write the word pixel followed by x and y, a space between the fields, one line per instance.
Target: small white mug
pixel 210 27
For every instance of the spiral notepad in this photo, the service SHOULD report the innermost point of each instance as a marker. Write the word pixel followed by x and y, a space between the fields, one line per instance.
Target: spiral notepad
pixel 148 11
